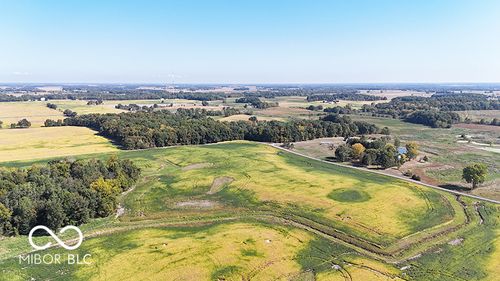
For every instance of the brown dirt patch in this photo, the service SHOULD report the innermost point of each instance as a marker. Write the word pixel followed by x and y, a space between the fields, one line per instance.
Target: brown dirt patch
pixel 219 183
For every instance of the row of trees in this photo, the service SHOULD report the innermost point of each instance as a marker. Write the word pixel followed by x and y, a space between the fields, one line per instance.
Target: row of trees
pixel 482 121
pixel 62 192
pixel 69 113
pixel 96 94
pixel 433 118
pixel 256 102
pixel 315 108
pixel 21 124
pixel 51 105
pixel 163 128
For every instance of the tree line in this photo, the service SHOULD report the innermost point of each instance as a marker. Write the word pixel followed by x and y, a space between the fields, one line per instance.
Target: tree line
pixel 435 111
pixel 62 192
pixel 353 96
pixel 122 94
pixel 140 130
pixel 256 102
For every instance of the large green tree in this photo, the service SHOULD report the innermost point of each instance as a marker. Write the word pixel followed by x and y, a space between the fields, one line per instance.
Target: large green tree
pixel 475 174
pixel 343 153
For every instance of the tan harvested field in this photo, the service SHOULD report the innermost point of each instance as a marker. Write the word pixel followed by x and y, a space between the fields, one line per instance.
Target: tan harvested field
pixel 477 115
pixel 38 143
pixel 81 107
pixel 390 94
pixel 35 111
pixel 479 127
pixel 108 106
pixel 301 102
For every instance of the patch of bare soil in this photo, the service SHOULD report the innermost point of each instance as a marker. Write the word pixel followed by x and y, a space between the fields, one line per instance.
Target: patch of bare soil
pixel 456 242
pixel 197 166
pixel 120 211
pixel 419 168
pixel 196 204
pixel 219 183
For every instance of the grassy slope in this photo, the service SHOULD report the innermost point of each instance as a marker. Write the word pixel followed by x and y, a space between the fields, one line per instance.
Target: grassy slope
pixel 268 180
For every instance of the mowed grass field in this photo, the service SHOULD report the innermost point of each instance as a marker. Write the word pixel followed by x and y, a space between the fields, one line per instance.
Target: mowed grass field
pixel 197 214
pixel 35 111
pixel 38 143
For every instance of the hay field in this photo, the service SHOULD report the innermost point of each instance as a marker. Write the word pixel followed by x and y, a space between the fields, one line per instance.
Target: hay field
pixel 231 251
pixel 281 216
pixel 40 143
pixel 108 106
pixel 35 111
pixel 268 179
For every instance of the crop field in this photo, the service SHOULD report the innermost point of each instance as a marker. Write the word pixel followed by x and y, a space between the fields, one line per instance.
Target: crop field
pixel 260 175
pixel 35 111
pixel 231 251
pixel 242 210
pixel 108 106
pixel 38 143
pixel 299 101
pixel 81 107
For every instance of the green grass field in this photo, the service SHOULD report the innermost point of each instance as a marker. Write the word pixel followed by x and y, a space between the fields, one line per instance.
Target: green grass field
pixel 242 210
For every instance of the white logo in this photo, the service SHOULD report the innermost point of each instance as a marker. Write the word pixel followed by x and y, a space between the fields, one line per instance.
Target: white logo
pixel 59 241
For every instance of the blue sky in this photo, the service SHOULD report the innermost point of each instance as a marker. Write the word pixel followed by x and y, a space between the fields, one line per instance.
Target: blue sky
pixel 250 41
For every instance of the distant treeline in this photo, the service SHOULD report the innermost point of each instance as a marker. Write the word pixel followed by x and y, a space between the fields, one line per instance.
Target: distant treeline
pixel 493 122
pixel 435 111
pixel 140 130
pixel 118 95
pixel 62 193
pixel 353 96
